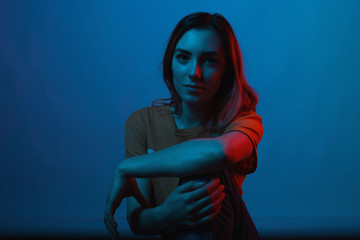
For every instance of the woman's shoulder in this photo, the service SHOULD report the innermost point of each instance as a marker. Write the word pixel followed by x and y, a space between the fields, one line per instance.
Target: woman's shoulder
pixel 247 115
pixel 147 113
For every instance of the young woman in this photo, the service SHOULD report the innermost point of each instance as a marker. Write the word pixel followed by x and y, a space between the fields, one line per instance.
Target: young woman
pixel 186 160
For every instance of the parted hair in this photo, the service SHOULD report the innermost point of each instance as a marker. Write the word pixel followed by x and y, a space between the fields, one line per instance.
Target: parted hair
pixel 234 95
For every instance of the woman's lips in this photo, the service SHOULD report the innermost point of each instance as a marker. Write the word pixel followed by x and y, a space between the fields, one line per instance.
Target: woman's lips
pixel 193 86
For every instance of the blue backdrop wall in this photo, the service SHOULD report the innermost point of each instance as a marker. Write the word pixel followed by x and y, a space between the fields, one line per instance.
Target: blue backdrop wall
pixel 71 72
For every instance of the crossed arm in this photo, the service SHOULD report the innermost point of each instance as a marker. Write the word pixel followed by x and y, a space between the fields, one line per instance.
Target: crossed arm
pixel 188 158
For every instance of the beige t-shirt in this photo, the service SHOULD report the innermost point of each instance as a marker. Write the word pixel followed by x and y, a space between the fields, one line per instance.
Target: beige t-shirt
pixel 153 128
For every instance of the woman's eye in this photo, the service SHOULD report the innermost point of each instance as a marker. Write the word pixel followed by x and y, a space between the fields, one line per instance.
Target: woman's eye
pixel 182 58
pixel 210 60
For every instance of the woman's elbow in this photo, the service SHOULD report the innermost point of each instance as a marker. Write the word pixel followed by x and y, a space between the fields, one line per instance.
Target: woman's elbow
pixel 235 147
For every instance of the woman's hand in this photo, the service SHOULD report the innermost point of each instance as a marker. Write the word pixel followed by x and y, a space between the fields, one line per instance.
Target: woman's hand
pixel 192 204
pixel 120 188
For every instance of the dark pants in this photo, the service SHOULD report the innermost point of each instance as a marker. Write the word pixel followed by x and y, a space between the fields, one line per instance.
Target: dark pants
pixel 233 221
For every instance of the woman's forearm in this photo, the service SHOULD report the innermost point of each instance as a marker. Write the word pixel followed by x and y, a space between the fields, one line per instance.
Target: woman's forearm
pixel 184 159
pixel 148 221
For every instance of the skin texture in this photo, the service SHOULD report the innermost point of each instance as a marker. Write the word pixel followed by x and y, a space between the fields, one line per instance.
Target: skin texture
pixel 198 60
pixel 201 63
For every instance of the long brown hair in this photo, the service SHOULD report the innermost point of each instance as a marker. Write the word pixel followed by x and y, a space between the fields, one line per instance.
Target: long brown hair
pixel 234 95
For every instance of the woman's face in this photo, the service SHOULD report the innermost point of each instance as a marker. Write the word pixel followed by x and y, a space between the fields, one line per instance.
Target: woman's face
pixel 198 65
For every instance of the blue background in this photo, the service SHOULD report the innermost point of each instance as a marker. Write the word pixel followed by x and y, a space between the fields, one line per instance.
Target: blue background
pixel 71 72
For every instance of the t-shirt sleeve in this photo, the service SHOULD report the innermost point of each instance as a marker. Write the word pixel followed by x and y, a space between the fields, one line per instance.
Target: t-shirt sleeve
pixel 135 136
pixel 250 124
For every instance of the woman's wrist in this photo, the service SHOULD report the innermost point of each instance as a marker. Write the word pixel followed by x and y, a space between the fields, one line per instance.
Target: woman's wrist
pixel 150 221
pixel 160 217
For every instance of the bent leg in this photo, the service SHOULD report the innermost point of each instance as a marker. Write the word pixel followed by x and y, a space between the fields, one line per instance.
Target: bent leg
pixel 233 221
pixel 204 232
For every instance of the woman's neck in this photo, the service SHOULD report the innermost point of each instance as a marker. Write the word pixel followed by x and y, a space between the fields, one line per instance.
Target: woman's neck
pixel 192 116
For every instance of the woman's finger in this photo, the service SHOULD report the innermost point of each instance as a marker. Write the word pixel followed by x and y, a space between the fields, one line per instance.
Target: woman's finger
pixel 211 208
pixel 110 223
pixel 210 216
pixel 204 191
pixel 115 232
pixel 116 194
pixel 208 199
pixel 111 226
pixel 108 216
pixel 189 186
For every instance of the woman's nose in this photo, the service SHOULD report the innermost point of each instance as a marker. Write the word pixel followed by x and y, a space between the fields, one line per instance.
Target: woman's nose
pixel 195 71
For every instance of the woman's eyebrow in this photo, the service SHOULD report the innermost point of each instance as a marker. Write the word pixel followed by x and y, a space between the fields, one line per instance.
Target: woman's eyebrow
pixel 203 53
pixel 182 50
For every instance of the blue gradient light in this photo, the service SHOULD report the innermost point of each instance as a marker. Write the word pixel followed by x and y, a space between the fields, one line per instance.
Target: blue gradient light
pixel 71 72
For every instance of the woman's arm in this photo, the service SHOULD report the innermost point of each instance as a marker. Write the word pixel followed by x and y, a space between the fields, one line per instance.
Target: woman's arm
pixel 143 221
pixel 187 158
pixel 190 158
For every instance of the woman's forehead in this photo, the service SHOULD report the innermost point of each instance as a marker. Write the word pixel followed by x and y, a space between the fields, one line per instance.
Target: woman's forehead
pixel 200 40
